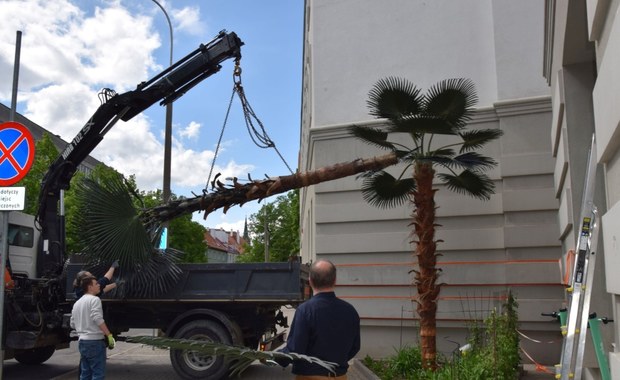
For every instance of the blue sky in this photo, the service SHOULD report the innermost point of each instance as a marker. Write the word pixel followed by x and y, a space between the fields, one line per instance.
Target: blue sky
pixel 72 49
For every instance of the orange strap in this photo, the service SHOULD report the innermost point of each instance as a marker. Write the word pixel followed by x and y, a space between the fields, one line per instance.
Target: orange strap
pixel 570 260
pixel 539 367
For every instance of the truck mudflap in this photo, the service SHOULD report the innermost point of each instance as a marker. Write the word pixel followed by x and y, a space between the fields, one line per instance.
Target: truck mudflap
pixel 269 342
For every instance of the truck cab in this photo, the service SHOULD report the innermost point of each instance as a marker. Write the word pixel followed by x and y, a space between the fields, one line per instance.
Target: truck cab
pixel 22 241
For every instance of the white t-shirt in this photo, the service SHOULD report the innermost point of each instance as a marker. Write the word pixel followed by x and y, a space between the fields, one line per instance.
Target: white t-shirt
pixel 86 316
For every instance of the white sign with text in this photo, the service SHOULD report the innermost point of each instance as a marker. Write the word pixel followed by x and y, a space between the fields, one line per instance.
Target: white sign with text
pixel 12 198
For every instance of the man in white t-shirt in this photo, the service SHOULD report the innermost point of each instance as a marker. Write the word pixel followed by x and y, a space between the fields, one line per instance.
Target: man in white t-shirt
pixel 87 320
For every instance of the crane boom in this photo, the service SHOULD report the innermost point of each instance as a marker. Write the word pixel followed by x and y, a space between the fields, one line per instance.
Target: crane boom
pixel 166 87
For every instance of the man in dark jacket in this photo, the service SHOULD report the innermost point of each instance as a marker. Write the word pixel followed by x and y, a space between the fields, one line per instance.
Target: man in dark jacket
pixel 325 327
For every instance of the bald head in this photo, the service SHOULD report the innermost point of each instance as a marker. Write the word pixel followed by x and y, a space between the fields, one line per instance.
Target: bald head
pixel 322 275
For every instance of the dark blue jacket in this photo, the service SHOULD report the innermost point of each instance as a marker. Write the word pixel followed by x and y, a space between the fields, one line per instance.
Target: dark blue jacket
pixel 325 327
pixel 103 281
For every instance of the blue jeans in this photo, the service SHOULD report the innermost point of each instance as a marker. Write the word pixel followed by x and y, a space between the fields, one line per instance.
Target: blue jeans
pixel 92 360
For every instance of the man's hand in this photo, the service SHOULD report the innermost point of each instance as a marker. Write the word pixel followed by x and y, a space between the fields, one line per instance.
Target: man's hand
pixel 115 264
pixel 110 341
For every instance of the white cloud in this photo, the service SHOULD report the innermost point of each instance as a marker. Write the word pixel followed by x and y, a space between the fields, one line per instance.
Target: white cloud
pixel 187 19
pixel 235 227
pixel 68 55
pixel 62 108
pixel 117 47
pixel 192 130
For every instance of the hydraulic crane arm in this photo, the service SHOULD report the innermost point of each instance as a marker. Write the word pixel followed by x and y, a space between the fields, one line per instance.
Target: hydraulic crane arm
pixel 166 87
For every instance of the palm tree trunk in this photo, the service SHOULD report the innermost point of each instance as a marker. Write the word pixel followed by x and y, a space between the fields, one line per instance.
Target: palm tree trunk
pixel 226 196
pixel 426 275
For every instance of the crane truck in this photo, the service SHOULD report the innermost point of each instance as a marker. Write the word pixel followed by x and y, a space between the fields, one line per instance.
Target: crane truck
pixel 236 304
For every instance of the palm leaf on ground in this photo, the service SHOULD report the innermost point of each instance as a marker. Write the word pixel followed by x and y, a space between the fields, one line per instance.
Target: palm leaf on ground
pixel 240 357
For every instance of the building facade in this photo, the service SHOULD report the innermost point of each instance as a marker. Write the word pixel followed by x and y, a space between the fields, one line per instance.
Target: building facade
pixel 511 242
pixel 223 246
pixel 581 65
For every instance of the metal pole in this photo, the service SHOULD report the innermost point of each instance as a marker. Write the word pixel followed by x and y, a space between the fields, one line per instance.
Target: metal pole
pixel 266 237
pixel 4 215
pixel 18 44
pixel 168 127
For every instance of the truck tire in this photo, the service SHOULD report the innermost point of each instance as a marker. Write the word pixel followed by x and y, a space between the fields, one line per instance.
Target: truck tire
pixel 35 355
pixel 194 365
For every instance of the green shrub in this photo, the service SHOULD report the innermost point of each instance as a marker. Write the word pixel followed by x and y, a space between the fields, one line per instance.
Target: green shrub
pixel 494 354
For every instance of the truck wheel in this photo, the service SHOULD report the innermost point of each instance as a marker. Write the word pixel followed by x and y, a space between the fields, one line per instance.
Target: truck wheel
pixel 195 365
pixel 34 355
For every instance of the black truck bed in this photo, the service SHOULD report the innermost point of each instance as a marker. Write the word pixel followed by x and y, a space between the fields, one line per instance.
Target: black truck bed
pixel 255 282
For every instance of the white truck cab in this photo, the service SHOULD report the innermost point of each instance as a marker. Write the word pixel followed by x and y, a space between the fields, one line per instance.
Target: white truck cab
pixel 22 242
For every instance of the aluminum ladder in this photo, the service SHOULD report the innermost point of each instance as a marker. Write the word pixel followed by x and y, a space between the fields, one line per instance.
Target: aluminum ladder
pixel 580 288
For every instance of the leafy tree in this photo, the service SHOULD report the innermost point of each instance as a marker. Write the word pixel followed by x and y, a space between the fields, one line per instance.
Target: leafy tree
pixel 45 154
pixel 188 237
pixel 435 123
pixel 282 220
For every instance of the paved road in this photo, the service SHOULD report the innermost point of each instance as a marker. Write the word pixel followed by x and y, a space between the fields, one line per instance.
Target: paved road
pixel 129 361
pixel 138 362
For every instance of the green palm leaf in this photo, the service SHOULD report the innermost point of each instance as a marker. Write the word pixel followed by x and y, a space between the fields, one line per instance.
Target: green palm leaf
pixel 372 136
pixel 240 357
pixel 423 124
pixel 107 218
pixel 474 161
pixel 469 183
pixel 383 190
pixel 393 98
pixel 478 138
pixel 109 226
pixel 452 100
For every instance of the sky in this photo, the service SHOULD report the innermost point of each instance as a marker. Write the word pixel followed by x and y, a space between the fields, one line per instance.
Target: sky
pixel 71 49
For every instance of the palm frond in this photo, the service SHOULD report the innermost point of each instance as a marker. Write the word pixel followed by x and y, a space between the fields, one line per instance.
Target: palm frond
pixel 452 100
pixel 423 124
pixel 110 228
pixel 474 161
pixel 239 358
pixel 478 138
pixel 441 156
pixel 384 191
pixel 443 152
pixel 108 223
pixel 393 98
pixel 469 183
pixel 372 136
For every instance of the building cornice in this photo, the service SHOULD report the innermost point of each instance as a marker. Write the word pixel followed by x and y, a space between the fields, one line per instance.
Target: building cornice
pixel 515 107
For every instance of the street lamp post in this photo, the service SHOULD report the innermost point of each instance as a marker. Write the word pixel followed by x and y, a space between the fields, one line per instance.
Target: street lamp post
pixel 168 127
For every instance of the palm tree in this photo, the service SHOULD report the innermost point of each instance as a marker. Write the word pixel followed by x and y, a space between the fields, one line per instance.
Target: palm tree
pixel 435 124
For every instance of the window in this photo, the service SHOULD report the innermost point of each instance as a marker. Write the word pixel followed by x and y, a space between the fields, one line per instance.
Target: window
pixel 21 236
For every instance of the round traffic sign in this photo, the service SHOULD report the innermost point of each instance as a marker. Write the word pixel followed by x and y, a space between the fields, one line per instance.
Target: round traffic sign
pixel 16 152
